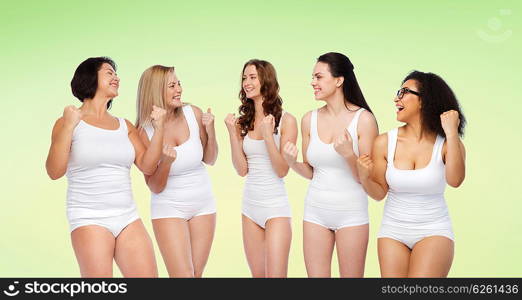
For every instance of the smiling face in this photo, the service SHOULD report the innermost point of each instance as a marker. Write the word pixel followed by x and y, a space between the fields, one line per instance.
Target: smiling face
pixel 251 84
pixel 323 82
pixel 173 91
pixel 409 106
pixel 108 81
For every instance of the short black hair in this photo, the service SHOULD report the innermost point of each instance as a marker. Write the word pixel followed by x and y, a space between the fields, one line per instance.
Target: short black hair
pixel 436 97
pixel 85 79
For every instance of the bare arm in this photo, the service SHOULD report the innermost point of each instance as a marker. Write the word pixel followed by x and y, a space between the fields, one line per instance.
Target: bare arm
pixel 158 180
pixel 290 150
pixel 453 150
pixel 58 157
pixel 207 134
pixel 454 158
pixel 288 134
pixel 372 169
pixel 147 157
pixel 61 139
pixel 367 131
pixel 236 145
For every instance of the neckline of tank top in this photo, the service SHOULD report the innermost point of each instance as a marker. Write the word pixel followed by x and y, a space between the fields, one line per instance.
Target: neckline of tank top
pixel 262 140
pixel 432 158
pixel 113 130
pixel 317 123
pixel 188 125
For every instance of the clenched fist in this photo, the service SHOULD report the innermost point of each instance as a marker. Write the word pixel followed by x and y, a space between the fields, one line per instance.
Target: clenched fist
pixel 208 121
pixel 364 167
pixel 450 122
pixel 267 126
pixel 169 154
pixel 231 122
pixel 158 117
pixel 344 144
pixel 290 153
pixel 71 116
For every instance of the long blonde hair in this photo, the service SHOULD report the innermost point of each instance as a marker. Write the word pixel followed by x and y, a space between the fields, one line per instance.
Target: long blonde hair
pixel 151 91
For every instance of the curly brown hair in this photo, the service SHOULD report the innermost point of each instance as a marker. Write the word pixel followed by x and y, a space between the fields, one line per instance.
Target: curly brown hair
pixel 272 102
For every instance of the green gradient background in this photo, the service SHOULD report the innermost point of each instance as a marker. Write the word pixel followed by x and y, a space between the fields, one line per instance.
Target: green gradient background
pixel 42 43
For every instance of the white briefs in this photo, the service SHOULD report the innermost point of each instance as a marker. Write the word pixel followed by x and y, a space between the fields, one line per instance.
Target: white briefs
pixel 98 174
pixel 334 199
pixel 415 207
pixel 264 194
pixel 188 192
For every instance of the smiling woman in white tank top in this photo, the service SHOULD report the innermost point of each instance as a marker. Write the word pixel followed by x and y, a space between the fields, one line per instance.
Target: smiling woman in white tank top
pixel 96 151
pixel 336 205
pixel 183 208
pixel 412 164
pixel 256 139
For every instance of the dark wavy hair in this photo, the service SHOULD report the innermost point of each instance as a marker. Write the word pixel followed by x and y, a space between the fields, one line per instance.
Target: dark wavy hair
pixel 341 66
pixel 85 79
pixel 272 102
pixel 436 97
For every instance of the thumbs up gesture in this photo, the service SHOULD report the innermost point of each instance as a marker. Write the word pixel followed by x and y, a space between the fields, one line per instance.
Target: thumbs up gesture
pixel 344 144
pixel 208 121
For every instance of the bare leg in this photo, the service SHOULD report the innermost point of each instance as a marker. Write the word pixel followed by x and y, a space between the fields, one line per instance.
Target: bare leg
pixel 254 245
pixel 394 258
pixel 352 243
pixel 134 253
pixel 278 236
pixel 318 249
pixel 201 236
pixel 431 257
pixel 173 237
pixel 94 249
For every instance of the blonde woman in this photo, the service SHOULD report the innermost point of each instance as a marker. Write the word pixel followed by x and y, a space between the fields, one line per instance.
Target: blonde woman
pixel 183 208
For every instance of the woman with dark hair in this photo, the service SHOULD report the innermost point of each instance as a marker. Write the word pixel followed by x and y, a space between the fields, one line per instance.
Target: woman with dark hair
pixel 336 206
pixel 255 139
pixel 412 164
pixel 96 151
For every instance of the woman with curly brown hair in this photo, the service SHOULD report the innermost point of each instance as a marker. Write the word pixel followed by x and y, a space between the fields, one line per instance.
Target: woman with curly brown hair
pixel 413 164
pixel 255 139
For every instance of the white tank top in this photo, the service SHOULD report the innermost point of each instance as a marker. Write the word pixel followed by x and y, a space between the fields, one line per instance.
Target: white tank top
pixel 333 185
pixel 262 186
pixel 98 172
pixel 188 177
pixel 416 197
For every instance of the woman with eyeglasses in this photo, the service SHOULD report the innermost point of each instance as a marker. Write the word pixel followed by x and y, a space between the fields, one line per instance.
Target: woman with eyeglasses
pixel 336 205
pixel 413 164
pixel 96 151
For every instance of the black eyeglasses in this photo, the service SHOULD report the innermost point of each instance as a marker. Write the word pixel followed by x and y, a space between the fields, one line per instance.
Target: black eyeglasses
pixel 401 92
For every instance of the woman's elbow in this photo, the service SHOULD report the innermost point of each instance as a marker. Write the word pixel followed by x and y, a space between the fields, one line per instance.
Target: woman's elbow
pixel 282 173
pixel 54 174
pixel 456 182
pixel 156 189
pixel 242 172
